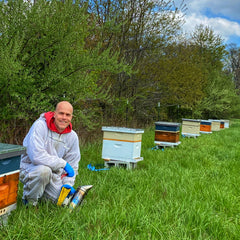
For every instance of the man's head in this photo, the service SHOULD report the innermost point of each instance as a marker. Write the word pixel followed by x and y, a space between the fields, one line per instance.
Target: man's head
pixel 63 115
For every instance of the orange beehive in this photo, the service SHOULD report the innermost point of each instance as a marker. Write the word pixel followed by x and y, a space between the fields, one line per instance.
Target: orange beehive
pixel 206 126
pixel 8 189
pixel 166 136
pixel 10 156
pixel 167 133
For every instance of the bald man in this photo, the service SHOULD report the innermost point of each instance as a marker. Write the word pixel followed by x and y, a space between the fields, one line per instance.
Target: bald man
pixel 52 156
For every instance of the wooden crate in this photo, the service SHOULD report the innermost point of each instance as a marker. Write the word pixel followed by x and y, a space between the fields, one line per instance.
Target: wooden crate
pixel 123 144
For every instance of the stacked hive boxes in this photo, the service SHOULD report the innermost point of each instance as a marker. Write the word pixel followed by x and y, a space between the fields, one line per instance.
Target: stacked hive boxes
pixel 167 133
pixel 10 156
pixel 206 126
pixel 121 146
pixel 190 127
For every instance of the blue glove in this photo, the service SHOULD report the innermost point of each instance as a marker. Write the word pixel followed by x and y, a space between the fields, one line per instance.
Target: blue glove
pixel 69 170
pixel 72 191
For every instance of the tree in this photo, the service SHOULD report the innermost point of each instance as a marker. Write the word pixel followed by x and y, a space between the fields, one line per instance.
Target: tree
pixel 219 92
pixel 234 58
pixel 45 59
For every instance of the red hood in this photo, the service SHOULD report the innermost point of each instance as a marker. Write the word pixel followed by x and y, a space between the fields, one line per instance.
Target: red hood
pixel 50 123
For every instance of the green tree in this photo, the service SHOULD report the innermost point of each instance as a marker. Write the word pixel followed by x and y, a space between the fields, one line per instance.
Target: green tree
pixel 219 92
pixel 44 58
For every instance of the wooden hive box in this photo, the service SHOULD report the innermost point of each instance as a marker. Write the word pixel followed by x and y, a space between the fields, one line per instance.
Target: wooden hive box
pixel 167 132
pixel 10 156
pixel 191 127
pixel 123 144
pixel 215 125
pixel 226 123
pixel 205 126
pixel 222 125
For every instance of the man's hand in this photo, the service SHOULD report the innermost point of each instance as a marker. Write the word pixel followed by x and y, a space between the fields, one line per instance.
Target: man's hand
pixel 67 186
pixel 69 170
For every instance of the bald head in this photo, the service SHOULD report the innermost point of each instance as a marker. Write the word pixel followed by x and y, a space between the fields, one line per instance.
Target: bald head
pixel 63 115
pixel 64 104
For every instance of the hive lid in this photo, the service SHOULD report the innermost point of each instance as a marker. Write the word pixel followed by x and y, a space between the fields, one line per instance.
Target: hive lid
pixel 168 123
pixel 215 120
pixel 122 129
pixel 206 121
pixel 11 150
pixel 192 120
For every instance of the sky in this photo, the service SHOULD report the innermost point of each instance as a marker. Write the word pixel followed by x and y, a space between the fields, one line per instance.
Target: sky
pixel 222 16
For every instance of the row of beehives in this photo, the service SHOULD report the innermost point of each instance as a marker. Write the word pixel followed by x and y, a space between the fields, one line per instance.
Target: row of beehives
pixel 168 133
pixel 123 145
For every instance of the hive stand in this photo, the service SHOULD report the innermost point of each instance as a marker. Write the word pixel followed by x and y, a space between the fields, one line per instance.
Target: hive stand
pixel 121 164
pixel 163 145
pixel 190 135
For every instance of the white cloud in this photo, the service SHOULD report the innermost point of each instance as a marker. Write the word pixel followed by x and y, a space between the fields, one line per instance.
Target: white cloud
pixel 221 16
pixel 228 8
pixel 220 26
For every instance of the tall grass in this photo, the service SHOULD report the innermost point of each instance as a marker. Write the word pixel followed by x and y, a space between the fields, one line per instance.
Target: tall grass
pixel 187 192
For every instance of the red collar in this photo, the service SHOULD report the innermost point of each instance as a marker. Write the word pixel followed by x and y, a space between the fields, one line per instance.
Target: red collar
pixel 51 125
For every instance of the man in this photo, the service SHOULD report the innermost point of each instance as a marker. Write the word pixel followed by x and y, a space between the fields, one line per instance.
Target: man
pixel 52 156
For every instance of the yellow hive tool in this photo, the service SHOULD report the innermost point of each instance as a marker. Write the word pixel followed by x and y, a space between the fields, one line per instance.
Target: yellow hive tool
pixel 63 194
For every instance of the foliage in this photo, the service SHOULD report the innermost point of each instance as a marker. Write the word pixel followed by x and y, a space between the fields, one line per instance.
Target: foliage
pixel 218 88
pixel 45 59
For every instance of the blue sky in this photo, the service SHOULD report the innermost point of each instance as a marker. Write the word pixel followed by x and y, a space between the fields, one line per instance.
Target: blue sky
pixel 220 15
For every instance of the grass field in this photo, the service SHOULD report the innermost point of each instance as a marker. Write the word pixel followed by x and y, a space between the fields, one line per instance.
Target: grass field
pixel 187 192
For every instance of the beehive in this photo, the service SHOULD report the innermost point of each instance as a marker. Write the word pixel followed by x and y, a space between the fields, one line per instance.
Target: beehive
pixel 123 144
pixel 190 127
pixel 10 156
pixel 226 123
pixel 222 125
pixel 216 125
pixel 167 132
pixel 205 126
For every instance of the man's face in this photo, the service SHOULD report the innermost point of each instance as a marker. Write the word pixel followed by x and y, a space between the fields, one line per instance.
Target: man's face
pixel 63 116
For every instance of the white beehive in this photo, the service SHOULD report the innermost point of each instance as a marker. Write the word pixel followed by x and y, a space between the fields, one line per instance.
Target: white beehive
pixel 190 127
pixel 123 144
pixel 215 124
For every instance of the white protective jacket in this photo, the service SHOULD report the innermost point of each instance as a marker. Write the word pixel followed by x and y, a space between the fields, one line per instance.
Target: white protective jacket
pixel 45 147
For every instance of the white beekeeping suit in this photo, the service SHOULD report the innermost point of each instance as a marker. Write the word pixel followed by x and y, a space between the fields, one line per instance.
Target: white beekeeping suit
pixel 42 167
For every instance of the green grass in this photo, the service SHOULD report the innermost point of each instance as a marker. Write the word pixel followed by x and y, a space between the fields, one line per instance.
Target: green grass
pixel 187 192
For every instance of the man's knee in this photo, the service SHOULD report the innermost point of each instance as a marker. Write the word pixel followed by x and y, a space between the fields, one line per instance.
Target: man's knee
pixel 45 173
